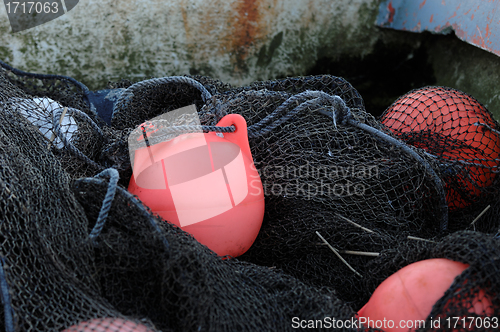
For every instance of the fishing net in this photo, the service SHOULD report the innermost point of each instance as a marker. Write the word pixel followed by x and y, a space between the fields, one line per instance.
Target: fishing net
pixel 337 182
pixel 331 173
pixel 47 269
pixel 151 268
pixel 86 255
pixel 330 169
pixel 58 107
pixel 154 97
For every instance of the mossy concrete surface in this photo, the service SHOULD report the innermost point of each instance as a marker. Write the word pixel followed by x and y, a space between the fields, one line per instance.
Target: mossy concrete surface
pixel 237 41
pixel 241 41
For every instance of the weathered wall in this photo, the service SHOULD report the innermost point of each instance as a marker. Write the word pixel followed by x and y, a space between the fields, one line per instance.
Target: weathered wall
pixel 238 41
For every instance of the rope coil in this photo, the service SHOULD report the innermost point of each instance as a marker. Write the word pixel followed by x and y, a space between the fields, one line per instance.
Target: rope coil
pixel 340 111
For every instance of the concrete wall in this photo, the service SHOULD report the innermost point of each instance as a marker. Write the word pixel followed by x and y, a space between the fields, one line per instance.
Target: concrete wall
pixel 238 41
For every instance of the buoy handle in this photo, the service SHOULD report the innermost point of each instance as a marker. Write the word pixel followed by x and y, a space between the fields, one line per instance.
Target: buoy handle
pixel 240 135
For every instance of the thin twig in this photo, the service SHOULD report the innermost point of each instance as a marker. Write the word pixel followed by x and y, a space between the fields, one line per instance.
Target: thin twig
pixel 353 252
pixel 360 253
pixel 338 255
pixel 419 239
pixel 353 223
pixel 481 214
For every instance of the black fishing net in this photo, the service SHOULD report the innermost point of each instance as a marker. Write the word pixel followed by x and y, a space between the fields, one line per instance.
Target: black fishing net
pixel 327 175
pixel 47 265
pixel 157 97
pixel 150 268
pixel 349 200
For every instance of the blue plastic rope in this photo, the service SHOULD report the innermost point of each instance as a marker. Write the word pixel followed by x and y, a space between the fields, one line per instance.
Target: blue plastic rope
pixel 106 203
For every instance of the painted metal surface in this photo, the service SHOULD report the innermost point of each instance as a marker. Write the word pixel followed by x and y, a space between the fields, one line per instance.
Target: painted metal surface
pixel 474 21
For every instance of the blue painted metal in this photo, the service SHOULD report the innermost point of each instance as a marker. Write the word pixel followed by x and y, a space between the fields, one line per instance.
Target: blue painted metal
pixel 474 21
pixel 104 101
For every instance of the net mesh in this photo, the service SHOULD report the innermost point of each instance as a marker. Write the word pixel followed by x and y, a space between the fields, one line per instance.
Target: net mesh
pixel 316 174
pixel 180 284
pixel 79 252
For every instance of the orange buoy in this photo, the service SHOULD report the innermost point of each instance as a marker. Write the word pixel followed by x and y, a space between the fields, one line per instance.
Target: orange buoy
pixel 408 296
pixel 108 325
pixel 206 184
pixel 454 122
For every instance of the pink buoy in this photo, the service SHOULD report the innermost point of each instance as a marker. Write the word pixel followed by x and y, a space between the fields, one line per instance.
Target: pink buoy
pixel 205 184
pixel 108 325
